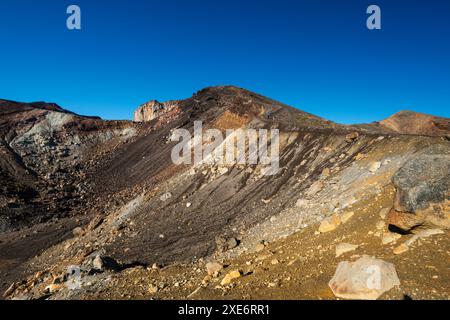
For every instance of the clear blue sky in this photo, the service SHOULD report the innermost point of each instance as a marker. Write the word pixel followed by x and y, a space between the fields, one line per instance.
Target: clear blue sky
pixel 315 55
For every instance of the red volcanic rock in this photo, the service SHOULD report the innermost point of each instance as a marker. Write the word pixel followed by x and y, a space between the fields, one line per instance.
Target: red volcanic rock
pixel 409 122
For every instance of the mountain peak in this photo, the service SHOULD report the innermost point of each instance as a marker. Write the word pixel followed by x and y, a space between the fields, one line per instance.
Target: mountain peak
pixel 411 122
pixel 213 102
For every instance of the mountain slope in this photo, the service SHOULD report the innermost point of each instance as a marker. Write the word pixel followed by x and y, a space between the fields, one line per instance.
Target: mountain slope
pixel 133 205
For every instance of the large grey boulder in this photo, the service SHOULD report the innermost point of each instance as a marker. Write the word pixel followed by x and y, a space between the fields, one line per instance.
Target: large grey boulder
pixel 423 190
pixel 365 279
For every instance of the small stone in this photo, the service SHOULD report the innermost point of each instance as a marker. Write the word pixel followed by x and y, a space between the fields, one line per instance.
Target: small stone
pixel 223 171
pixel 326 173
pixel 52 288
pixel 351 137
pixel 374 167
pixel 232 243
pixel 213 268
pixel 78 232
pixel 97 263
pixel 390 237
pixel 344 248
pixel 347 216
pixel 105 263
pixel 384 212
pixel 230 277
pixel 166 196
pixel 188 205
pixel 330 224
pixel 301 203
pixel 153 289
pixel 381 225
pixel 315 188
pixel 275 262
pixel 412 240
pixel 259 247
pixel 206 279
pixel 401 249
pixel 224 244
pixel 155 266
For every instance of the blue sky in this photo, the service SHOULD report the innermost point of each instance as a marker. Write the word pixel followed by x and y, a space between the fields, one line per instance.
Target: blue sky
pixel 316 55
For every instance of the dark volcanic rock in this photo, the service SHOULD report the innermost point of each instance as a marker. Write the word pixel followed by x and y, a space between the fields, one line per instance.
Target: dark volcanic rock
pixel 423 185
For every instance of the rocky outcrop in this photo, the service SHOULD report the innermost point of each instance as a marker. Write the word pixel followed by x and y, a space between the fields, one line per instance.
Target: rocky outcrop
pixel 153 110
pixel 423 190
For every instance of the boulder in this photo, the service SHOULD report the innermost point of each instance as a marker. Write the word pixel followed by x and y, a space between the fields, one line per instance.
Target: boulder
pixel 423 190
pixel 105 263
pixel 365 279
pixel 405 221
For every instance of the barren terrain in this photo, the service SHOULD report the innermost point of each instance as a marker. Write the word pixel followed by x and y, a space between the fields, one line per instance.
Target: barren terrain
pixel 106 197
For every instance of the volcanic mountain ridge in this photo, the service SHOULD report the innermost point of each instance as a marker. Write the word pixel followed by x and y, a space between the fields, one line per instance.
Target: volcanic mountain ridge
pixel 83 191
